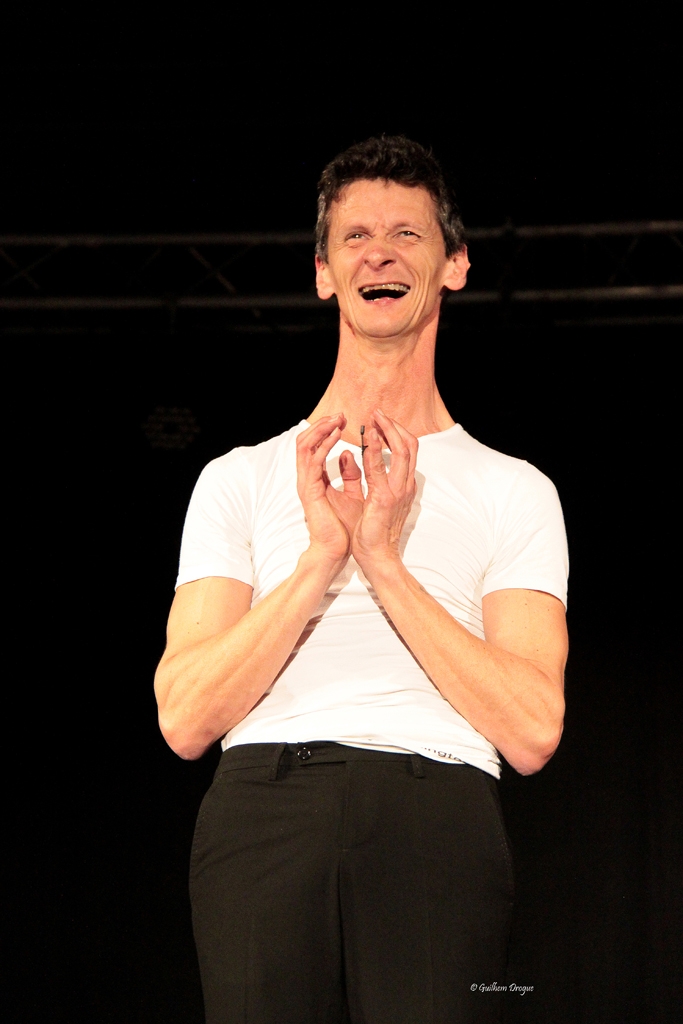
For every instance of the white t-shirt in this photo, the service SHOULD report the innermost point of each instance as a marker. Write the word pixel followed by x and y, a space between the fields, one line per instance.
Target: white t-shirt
pixel 481 522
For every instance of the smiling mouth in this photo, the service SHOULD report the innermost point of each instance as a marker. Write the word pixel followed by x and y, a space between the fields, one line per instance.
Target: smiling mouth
pixel 392 290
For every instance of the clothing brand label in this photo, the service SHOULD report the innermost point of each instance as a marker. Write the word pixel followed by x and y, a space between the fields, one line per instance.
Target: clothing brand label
pixel 444 754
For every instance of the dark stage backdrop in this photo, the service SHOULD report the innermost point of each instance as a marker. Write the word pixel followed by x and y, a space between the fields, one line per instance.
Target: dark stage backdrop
pixel 212 122
pixel 118 429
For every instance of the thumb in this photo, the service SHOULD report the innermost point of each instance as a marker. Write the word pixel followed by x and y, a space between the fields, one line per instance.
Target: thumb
pixel 350 474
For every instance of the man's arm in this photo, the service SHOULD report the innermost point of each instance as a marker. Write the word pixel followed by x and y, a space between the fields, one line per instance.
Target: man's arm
pixel 510 686
pixel 222 654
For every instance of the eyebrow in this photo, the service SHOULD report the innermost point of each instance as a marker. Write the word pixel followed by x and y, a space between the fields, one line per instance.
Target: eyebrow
pixel 399 226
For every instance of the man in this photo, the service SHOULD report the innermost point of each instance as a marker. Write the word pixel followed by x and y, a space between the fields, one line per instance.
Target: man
pixel 368 608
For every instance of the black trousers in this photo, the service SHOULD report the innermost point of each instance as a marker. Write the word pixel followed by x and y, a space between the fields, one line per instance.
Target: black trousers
pixel 334 885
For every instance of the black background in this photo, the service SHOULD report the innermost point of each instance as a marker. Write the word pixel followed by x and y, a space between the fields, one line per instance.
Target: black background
pixel 111 128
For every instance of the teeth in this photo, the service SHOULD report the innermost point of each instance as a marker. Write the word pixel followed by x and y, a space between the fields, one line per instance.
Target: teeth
pixel 392 287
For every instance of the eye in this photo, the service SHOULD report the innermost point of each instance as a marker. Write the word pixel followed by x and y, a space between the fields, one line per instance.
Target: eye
pixel 408 232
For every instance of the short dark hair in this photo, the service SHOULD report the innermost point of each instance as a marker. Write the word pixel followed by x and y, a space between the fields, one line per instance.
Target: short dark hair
pixel 390 158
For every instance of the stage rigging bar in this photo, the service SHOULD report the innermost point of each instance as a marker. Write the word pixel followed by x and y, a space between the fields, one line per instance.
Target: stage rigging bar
pixel 644 227
pixel 515 265
pixel 307 301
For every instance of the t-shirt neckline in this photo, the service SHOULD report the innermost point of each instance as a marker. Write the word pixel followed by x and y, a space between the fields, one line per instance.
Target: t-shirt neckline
pixel 457 427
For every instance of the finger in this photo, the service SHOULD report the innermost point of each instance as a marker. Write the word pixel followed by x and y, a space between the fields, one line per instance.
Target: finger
pixel 311 458
pixel 413 445
pixel 350 470
pixel 392 431
pixel 314 435
pixel 350 474
pixel 325 447
pixel 311 467
pixel 316 445
pixel 375 470
pixel 400 449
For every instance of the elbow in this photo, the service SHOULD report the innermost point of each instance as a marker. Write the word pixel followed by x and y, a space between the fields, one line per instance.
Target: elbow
pixel 180 730
pixel 536 753
pixel 184 741
pixel 530 761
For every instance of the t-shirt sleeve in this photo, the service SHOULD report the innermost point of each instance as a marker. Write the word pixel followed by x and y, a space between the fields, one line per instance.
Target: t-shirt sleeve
pixel 530 542
pixel 217 532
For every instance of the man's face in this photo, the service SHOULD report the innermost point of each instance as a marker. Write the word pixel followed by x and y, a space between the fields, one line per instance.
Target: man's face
pixel 386 259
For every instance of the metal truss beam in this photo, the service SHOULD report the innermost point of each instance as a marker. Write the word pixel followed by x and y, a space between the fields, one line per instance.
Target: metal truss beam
pixel 581 266
pixel 306 301
pixel 604 230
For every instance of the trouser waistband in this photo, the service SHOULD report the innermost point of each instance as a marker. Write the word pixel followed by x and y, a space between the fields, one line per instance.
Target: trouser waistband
pixel 291 755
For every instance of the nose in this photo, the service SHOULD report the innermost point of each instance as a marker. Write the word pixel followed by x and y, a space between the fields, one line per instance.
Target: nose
pixel 379 254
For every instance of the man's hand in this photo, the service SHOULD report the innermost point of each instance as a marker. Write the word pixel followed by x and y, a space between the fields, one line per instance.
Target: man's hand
pixel 390 495
pixel 344 522
pixel 331 515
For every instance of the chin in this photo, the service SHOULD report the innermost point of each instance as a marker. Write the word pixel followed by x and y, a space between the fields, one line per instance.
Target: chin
pixel 386 322
pixel 382 332
pixel 382 325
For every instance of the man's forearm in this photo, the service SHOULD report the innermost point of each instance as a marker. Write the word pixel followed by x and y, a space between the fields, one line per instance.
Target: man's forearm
pixel 511 700
pixel 206 688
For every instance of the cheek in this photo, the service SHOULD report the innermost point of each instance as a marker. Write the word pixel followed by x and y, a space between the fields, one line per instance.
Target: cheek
pixel 345 275
pixel 427 281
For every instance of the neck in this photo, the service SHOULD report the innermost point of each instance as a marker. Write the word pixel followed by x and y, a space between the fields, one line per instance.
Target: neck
pixel 393 374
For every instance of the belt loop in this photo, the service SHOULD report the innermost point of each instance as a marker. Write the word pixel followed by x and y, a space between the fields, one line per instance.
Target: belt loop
pixel 279 751
pixel 418 770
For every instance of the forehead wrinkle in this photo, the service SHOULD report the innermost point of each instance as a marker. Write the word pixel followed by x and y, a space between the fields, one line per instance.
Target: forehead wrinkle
pixel 342 228
pixel 346 206
pixel 398 225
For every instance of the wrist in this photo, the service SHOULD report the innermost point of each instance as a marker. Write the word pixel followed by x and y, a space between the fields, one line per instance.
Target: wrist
pixel 321 564
pixel 381 566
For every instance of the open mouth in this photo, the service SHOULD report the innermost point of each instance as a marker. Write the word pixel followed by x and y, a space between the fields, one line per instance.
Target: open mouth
pixel 391 290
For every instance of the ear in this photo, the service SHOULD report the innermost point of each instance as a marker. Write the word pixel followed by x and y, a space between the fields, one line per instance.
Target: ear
pixel 456 271
pixel 323 280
